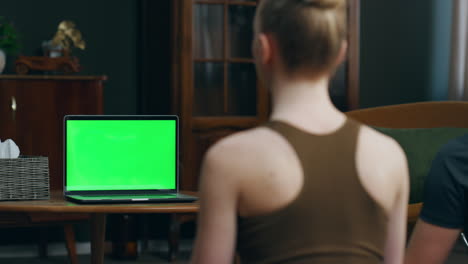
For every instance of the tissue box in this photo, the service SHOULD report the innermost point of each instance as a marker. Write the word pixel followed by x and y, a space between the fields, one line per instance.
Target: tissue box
pixel 24 178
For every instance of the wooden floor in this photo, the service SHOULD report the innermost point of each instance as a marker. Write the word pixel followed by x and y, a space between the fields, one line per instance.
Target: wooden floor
pixel 459 256
pixel 156 252
pixel 147 258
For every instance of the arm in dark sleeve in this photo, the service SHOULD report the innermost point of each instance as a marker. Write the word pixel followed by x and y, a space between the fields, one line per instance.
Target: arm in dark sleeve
pixel 445 186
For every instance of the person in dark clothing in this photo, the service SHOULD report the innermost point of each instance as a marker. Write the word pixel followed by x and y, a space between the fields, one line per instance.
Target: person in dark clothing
pixel 445 205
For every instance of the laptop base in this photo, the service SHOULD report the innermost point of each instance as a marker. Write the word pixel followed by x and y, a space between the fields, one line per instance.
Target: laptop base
pixel 112 199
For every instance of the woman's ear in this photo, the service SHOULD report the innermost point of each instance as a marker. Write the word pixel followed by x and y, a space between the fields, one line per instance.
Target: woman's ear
pixel 342 53
pixel 264 46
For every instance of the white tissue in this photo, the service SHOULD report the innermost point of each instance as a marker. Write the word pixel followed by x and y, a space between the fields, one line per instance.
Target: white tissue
pixel 9 149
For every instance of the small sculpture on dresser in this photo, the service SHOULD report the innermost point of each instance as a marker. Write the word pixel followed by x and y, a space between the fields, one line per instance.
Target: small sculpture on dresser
pixel 57 52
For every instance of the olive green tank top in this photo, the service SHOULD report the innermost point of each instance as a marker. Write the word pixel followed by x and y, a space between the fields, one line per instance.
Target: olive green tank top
pixel 332 220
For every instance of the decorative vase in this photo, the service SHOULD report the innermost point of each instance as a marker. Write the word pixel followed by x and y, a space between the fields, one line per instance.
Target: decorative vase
pixel 2 60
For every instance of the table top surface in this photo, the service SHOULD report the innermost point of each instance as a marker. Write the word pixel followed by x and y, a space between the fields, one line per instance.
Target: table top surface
pixel 58 204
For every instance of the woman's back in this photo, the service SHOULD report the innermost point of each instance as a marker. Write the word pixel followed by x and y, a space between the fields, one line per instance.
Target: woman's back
pixel 309 205
pixel 314 187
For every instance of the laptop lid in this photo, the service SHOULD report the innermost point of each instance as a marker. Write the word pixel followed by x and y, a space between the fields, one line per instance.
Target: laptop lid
pixel 106 154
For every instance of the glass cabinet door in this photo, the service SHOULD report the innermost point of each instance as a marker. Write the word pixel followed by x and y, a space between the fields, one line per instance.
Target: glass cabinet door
pixel 225 82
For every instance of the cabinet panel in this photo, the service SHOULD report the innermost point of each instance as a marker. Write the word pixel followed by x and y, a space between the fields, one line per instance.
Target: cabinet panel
pixel 208 89
pixel 208 27
pixel 34 119
pixel 41 104
pixel 242 89
pixel 7 105
pixel 240 30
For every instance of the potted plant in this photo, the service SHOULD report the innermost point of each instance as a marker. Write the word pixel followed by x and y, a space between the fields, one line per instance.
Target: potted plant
pixel 9 44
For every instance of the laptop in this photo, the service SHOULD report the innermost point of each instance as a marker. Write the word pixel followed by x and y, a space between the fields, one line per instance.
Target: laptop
pixel 121 159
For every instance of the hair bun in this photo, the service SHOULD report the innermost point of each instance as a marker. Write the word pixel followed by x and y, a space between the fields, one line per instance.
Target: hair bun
pixel 324 4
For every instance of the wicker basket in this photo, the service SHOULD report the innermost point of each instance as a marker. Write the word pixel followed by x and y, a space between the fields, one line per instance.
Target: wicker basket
pixel 24 178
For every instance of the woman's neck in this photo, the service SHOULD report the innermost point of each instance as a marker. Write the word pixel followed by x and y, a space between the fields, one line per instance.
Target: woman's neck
pixel 305 103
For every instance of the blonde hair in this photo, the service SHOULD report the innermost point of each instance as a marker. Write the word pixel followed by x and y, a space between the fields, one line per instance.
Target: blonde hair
pixel 309 33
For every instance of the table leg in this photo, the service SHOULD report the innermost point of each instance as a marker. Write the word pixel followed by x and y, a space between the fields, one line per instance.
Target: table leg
pixel 70 242
pixel 174 234
pixel 98 233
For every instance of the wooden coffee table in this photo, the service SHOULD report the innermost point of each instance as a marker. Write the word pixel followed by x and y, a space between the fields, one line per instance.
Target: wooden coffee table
pixel 58 205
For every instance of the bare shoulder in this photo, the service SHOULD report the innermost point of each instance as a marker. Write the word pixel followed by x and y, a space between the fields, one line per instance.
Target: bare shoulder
pixel 385 150
pixel 241 147
pixel 381 165
pixel 242 153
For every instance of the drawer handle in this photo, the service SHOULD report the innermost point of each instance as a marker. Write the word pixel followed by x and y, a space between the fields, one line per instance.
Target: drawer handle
pixel 13 104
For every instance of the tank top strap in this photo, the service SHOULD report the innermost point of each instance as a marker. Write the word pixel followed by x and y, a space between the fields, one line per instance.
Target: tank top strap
pixel 323 149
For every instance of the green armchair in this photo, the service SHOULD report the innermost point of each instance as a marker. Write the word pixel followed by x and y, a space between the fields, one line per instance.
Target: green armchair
pixel 421 129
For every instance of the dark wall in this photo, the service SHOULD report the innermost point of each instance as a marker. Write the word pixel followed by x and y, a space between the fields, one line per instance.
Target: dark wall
pixel 155 55
pixel 110 28
pixel 405 51
pixel 396 39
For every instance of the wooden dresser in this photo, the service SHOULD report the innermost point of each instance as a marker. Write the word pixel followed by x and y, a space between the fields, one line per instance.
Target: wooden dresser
pixel 32 108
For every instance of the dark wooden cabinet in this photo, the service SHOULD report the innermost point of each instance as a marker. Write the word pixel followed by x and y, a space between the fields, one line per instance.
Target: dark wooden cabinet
pixel 32 110
pixel 215 87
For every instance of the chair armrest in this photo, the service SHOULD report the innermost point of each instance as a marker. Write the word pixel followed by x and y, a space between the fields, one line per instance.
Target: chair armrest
pixel 413 212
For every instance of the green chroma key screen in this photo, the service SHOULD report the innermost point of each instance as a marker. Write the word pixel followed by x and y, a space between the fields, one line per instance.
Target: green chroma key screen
pixel 121 154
